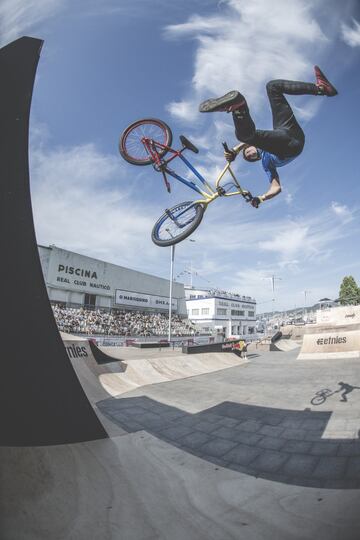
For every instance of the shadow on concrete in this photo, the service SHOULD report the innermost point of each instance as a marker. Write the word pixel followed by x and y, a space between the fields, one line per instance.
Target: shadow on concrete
pixel 276 444
pixel 322 395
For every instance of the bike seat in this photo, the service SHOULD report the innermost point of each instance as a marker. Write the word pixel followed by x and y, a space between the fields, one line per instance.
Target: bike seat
pixel 187 144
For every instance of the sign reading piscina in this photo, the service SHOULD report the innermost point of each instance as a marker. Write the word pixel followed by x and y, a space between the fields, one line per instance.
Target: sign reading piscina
pixel 65 274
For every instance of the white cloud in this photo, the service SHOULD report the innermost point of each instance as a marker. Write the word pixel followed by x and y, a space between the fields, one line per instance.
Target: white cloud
pixel 289 240
pixel 342 211
pixel 247 45
pixel 18 16
pixel 307 239
pixel 183 110
pixel 76 206
pixel 288 243
pixel 351 34
pixel 288 198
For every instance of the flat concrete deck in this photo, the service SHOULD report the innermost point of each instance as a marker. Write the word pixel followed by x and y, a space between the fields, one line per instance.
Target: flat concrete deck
pixel 258 419
pixel 237 453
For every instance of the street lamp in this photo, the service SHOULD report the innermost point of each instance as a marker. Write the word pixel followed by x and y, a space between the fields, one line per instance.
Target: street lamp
pixel 172 258
pixel 171 286
pixel 305 294
pixel 272 278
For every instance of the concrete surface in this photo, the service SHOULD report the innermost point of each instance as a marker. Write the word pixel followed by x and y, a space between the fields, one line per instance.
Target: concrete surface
pixel 137 367
pixel 237 453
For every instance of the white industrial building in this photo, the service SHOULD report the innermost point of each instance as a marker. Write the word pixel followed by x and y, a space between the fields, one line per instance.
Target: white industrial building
pixel 77 280
pixel 221 313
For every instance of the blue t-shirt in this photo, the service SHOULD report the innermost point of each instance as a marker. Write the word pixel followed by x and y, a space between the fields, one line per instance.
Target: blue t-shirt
pixel 270 162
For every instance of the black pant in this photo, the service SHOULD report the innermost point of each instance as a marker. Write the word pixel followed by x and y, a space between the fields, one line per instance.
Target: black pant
pixel 287 139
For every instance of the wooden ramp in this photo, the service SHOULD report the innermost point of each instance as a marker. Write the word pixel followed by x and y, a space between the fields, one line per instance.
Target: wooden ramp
pixel 332 345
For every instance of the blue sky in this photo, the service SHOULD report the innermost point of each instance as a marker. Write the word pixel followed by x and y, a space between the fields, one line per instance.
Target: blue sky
pixel 106 64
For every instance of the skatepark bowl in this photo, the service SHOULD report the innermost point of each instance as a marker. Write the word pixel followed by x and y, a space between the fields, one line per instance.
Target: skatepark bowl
pixel 154 444
pixel 201 446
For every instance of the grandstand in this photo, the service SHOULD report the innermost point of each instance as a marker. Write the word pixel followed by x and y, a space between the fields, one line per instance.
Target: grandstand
pixel 119 322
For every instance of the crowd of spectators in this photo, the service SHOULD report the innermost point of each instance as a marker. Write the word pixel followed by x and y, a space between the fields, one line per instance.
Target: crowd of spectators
pixel 217 292
pixel 119 323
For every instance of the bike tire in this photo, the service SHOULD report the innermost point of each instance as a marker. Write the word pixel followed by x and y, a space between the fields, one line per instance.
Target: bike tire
pixel 132 149
pixel 318 400
pixel 160 234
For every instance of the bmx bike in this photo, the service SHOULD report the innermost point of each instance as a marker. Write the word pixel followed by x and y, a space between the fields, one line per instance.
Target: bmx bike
pixel 147 142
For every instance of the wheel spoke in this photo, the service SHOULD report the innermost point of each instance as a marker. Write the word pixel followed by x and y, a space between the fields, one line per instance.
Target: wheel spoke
pixel 133 144
pixel 171 229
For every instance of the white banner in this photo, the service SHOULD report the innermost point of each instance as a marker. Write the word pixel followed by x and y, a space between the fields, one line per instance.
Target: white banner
pixel 130 298
pixel 339 315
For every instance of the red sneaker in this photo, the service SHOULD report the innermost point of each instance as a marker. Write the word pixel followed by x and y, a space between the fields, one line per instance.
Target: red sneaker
pixel 323 84
pixel 232 101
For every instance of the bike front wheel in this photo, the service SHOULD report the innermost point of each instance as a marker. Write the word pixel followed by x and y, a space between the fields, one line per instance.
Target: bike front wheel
pixel 177 223
pixel 318 400
pixel 131 146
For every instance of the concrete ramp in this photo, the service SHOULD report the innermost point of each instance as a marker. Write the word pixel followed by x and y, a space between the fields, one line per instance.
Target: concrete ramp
pixel 100 356
pixel 331 345
pixel 286 345
pixel 138 368
pixel 35 371
pixel 266 344
pixel 148 371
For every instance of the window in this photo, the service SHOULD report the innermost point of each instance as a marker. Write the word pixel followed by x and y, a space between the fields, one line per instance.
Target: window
pixel 223 303
pixel 237 313
pixel 195 312
pixel 90 300
pixel 251 313
pixel 221 311
pixel 205 311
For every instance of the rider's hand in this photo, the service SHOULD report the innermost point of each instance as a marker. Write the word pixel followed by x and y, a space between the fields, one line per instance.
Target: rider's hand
pixel 230 155
pixel 256 201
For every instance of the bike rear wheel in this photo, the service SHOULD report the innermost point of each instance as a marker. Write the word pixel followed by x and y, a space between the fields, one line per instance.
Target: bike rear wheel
pixel 177 223
pixel 131 147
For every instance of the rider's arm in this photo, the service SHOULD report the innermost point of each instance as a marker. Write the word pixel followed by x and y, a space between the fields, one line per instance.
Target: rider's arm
pixel 275 189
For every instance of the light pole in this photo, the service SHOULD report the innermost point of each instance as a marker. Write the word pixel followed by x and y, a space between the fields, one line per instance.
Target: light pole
pixel 305 294
pixel 171 286
pixel 172 258
pixel 272 279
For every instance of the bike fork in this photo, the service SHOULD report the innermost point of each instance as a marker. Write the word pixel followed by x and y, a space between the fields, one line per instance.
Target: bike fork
pixel 174 220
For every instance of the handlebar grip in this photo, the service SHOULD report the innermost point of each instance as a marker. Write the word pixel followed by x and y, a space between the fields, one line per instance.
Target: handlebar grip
pixel 226 148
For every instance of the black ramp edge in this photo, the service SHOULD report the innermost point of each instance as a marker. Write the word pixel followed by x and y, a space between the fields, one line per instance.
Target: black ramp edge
pixel 100 356
pixel 42 401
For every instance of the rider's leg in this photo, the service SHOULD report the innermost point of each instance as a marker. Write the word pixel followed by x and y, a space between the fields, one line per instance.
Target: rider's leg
pixel 280 141
pixel 236 103
pixel 283 116
pixel 277 141
pixel 287 138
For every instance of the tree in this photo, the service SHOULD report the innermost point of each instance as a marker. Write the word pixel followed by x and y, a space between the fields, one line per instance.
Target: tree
pixel 349 292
